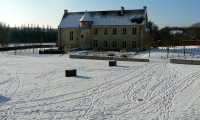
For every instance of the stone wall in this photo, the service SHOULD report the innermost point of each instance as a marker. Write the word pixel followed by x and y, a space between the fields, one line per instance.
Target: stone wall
pixel 190 62
pixel 107 58
pixel 100 37
pixel 119 37
pixel 65 38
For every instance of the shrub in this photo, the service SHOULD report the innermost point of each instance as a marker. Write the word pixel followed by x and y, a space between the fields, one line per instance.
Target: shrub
pixel 111 54
pixel 124 55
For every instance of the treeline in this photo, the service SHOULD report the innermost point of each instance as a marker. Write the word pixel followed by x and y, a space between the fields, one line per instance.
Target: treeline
pixel 4 34
pixel 26 34
pixel 179 39
pixel 189 33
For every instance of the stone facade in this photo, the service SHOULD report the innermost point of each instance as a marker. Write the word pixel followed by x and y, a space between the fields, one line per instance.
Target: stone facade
pixel 88 35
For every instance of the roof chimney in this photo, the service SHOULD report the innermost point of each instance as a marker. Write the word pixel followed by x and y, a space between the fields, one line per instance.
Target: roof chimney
pixel 65 12
pixel 122 10
pixel 145 8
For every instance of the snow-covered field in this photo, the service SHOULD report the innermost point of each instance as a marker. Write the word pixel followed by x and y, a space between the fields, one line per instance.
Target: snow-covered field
pixel 34 86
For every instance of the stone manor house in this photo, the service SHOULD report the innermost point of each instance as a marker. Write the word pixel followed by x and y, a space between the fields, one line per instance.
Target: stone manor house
pixel 104 30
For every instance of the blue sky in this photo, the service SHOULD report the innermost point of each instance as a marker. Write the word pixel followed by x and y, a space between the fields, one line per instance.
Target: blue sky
pixel 49 12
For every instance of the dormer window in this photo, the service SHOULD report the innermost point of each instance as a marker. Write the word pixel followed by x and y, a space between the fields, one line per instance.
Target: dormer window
pixel 86 21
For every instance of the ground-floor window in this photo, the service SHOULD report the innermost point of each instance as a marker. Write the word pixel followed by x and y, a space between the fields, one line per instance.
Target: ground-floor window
pixel 105 43
pixel 123 44
pixel 134 45
pixel 95 43
pixel 114 44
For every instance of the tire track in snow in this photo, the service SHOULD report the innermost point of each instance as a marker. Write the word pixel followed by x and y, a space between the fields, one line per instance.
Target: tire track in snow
pixel 176 86
pixel 47 76
pixel 156 73
pixel 127 80
pixel 107 86
pixel 9 112
pixel 146 79
pixel 90 91
pixel 89 96
pixel 147 97
pixel 99 89
pixel 164 101
pixel 16 80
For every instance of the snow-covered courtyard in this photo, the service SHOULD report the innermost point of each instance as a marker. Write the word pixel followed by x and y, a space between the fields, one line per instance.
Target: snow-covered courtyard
pixel 34 86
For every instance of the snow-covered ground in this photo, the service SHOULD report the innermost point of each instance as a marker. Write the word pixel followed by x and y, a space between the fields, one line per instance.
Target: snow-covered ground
pixel 34 86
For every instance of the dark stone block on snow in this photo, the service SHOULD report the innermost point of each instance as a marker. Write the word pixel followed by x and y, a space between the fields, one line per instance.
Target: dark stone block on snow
pixel 51 51
pixel 41 52
pixel 70 73
pixel 140 99
pixel 112 63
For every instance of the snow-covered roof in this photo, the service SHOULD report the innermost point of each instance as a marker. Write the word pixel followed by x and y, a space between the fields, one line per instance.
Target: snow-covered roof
pixel 72 19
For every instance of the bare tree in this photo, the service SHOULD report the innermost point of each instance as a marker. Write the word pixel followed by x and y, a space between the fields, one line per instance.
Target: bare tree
pixel 166 38
pixel 153 30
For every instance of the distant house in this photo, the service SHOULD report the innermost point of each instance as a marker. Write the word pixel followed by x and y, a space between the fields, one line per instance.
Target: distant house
pixel 174 32
pixel 104 30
